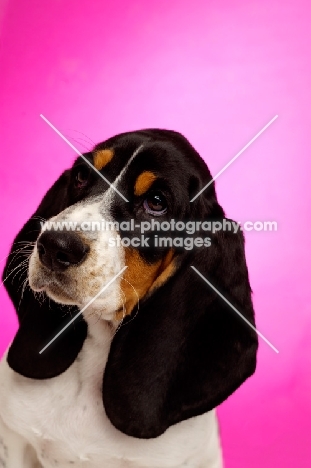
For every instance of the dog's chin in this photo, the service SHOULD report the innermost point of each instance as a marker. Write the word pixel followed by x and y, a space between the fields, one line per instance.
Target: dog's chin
pixel 95 310
pixel 55 291
pixel 59 296
pixel 40 283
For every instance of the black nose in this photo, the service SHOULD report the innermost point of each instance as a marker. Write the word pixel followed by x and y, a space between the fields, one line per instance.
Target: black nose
pixel 60 250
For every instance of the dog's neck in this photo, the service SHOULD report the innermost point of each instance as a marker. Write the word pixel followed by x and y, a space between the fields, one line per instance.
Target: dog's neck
pixel 91 361
pixel 98 327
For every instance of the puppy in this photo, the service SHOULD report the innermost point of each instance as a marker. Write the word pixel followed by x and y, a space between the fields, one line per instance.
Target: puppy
pixel 123 350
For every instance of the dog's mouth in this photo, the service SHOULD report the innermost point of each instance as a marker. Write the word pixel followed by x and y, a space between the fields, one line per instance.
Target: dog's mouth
pixel 75 289
pixel 58 294
pixel 55 285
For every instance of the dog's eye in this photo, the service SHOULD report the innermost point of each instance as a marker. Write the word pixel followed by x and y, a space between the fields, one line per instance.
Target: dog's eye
pixel 82 177
pixel 155 204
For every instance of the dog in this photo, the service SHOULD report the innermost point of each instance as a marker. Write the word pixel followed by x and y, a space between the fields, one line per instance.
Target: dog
pixel 123 351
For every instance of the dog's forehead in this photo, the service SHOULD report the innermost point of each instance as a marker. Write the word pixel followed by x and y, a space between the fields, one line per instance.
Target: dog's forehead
pixel 153 151
pixel 136 162
pixel 137 154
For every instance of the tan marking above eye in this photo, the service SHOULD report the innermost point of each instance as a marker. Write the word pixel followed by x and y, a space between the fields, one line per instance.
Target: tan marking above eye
pixel 144 182
pixel 102 157
pixel 141 278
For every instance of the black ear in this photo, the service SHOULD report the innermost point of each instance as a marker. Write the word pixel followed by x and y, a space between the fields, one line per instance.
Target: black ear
pixel 39 321
pixel 185 350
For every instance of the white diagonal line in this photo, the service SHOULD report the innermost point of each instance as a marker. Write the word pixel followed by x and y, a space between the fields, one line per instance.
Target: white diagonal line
pixel 83 309
pixel 83 157
pixel 234 158
pixel 236 310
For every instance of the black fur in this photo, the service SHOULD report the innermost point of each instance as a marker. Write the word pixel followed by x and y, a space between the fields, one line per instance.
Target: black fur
pixel 186 350
pixel 38 323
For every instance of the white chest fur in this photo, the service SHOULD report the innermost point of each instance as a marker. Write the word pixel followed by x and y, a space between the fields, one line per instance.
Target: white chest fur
pixel 63 419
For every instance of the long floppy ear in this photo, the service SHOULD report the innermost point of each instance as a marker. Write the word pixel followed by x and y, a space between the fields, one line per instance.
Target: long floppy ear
pixel 185 350
pixel 39 321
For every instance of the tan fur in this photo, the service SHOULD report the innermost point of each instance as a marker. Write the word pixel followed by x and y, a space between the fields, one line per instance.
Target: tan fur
pixel 167 270
pixel 144 182
pixel 140 278
pixel 102 158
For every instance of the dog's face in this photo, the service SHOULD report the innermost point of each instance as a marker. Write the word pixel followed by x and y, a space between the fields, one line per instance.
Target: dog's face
pixel 157 172
pixel 183 350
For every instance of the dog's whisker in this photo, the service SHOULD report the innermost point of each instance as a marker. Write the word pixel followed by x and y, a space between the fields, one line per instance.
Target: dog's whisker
pixel 136 313
pixel 81 133
pixel 11 272
pixel 14 253
pixel 24 242
pixel 136 293
pixel 40 296
pixel 123 303
pixel 24 256
pixel 23 269
pixel 79 139
pixel 23 266
pixel 39 218
pixel 25 284
pixel 26 279
pixel 79 142
pixel 22 253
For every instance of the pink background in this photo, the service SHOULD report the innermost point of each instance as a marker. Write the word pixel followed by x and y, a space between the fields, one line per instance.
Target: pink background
pixel 217 71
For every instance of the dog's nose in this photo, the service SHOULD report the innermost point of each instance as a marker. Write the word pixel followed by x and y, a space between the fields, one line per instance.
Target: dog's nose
pixel 60 250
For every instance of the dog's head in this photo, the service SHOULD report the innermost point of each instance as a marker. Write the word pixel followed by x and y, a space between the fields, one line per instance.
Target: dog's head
pixel 126 207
